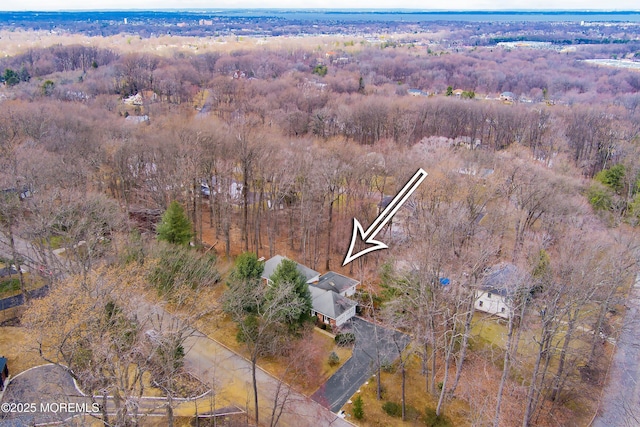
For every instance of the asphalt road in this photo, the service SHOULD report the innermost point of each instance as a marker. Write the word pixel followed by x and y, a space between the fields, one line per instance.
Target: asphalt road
pixel 350 377
pixel 621 406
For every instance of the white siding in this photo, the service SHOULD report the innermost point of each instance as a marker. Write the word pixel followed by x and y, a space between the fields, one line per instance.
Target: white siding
pixel 346 316
pixel 492 304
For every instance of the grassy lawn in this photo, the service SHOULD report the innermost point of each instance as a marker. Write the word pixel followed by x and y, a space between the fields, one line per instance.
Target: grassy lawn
pixel 417 402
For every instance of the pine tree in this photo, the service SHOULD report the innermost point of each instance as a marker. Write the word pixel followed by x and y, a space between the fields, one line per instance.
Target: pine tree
pixel 175 227
pixel 287 272
pixel 358 410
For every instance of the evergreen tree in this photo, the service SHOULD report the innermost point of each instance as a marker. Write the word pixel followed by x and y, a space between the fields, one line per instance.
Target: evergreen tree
pixel 175 227
pixel 247 267
pixel 358 410
pixel 287 272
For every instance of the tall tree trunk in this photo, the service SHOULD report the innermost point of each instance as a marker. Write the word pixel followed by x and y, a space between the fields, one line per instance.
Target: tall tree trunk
pixel 16 262
pixel 505 372
pixel 448 351
pixel 245 206
pixel 558 380
pixel 254 362
pixel 465 343
pixel 330 224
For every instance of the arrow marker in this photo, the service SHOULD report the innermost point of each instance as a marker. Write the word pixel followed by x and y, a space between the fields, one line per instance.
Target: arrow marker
pixel 382 219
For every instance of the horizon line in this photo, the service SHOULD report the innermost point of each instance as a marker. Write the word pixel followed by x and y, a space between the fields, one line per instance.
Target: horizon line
pixel 314 9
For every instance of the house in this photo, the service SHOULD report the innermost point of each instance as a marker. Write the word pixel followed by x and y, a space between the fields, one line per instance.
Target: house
pixel 133 100
pixel 337 283
pixel 232 188
pixel 416 92
pixel 507 97
pixel 329 292
pixel 4 372
pixel 494 294
pixel 271 264
pixel 330 307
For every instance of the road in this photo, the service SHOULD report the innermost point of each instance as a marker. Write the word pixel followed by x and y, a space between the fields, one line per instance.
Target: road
pixel 621 403
pixel 229 375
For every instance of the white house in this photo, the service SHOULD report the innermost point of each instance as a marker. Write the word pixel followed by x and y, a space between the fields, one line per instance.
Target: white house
pixel 329 292
pixel 494 294
pixel 330 307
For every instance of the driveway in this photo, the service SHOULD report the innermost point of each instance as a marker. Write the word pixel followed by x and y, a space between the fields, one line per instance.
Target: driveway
pixel 621 404
pixel 348 379
pixel 39 386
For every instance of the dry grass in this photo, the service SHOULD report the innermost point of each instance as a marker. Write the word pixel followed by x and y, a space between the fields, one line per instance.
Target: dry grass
pixel 222 329
pixel 416 397
pixel 18 346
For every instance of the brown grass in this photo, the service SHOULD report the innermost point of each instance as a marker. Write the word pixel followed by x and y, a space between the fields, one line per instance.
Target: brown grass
pixel 18 346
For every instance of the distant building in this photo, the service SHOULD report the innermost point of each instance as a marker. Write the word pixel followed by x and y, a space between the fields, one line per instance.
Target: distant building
pixel 507 96
pixel 416 92
pixel 495 292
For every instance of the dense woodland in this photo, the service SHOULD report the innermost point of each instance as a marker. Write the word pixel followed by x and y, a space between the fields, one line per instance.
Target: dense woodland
pixel 275 149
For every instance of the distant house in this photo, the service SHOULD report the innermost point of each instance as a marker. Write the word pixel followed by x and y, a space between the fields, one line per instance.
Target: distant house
pixel 133 100
pixel 494 295
pixel 137 119
pixel 507 97
pixel 232 188
pixel 331 308
pixel 416 92
pixel 4 372
pixel 271 264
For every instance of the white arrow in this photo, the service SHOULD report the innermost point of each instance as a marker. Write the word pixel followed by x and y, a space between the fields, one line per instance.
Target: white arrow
pixel 382 219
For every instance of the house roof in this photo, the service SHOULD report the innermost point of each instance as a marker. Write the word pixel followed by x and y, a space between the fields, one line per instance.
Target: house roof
pixel 499 278
pixel 329 303
pixel 335 282
pixel 271 264
pixel 3 363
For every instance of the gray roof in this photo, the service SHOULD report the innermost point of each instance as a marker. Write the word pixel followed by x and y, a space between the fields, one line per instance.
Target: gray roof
pixel 500 278
pixel 332 281
pixel 329 303
pixel 271 264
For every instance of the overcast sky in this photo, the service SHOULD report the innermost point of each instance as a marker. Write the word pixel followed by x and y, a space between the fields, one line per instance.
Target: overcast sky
pixel 369 4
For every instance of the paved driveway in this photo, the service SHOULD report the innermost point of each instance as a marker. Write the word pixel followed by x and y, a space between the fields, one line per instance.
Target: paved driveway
pixel 346 381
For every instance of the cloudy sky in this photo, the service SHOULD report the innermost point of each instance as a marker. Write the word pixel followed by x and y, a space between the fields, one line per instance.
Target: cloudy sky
pixel 369 4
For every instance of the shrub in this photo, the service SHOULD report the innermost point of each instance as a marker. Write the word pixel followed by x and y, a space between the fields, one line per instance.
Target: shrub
pixel 387 366
pixel 334 359
pixel 433 420
pixel 345 339
pixel 392 408
pixel 358 410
